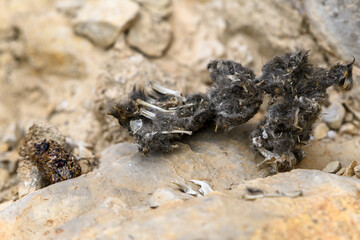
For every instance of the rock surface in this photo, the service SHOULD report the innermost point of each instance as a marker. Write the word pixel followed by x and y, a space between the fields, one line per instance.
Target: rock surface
pixel 58 51
pixel 336 24
pixel 122 209
pixel 151 35
pixel 131 191
pixel 332 167
pixel 102 21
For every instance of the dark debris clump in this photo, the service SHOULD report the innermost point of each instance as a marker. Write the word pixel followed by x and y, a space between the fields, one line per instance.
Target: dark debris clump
pixel 54 162
pixel 158 119
pixel 235 96
pixel 297 90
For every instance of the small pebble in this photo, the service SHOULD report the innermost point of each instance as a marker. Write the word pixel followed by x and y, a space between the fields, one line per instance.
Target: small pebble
pixel 332 167
pixel 334 115
pixel 321 131
pixel 348 128
pixel 357 171
pixel 331 134
pixel 350 169
pixel 341 171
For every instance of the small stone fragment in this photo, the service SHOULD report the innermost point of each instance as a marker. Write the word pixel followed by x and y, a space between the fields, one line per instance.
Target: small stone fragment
pixel 161 8
pixel 332 167
pixel 357 171
pixel 68 7
pixel 341 171
pixel 321 131
pixel 117 13
pixel 334 115
pixel 101 34
pixel 349 128
pixel 356 123
pixel 150 35
pixel 331 134
pixel 350 169
pixel 101 21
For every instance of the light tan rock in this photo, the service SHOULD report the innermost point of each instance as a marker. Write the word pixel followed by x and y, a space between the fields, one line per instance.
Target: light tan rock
pixel 202 35
pixel 357 171
pixel 150 35
pixel 336 24
pixel 332 167
pixel 117 13
pixel 320 153
pixel 349 128
pixel 207 29
pixel 101 21
pixel 69 7
pixel 56 49
pixel 161 8
pixel 321 131
pixel 91 207
pixel 341 171
pixel 350 169
pixel 334 115
pixel 101 34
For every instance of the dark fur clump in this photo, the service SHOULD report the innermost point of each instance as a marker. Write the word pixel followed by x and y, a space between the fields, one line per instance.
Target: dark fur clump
pixel 235 96
pixel 156 120
pixel 297 90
